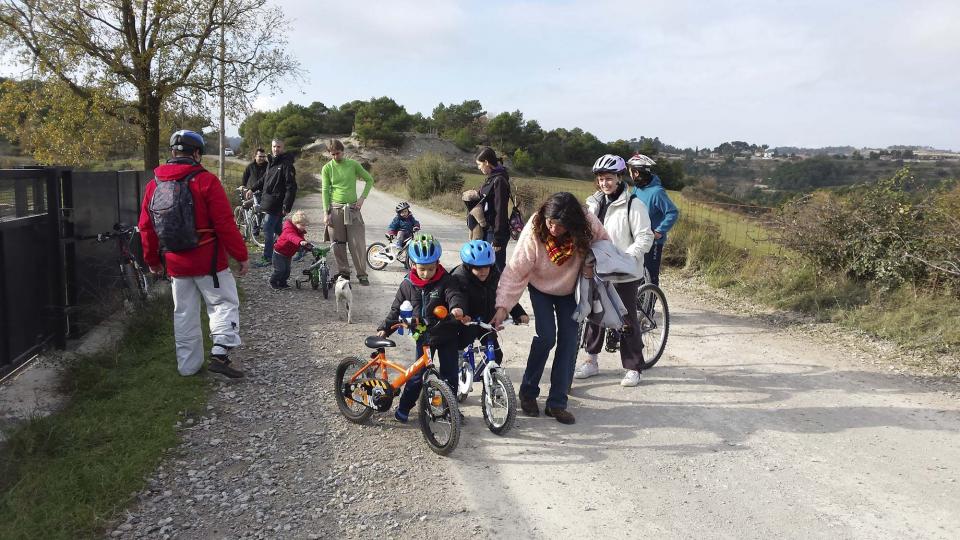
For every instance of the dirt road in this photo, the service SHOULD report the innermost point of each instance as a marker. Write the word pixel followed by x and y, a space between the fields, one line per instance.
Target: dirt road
pixel 744 430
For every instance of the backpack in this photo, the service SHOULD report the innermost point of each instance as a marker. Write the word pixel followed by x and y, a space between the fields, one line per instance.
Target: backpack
pixel 171 212
pixel 516 219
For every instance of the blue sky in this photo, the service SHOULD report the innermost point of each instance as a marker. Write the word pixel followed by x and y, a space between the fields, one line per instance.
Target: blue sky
pixel 693 73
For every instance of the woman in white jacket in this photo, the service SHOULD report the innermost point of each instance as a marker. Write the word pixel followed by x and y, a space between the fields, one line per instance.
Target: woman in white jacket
pixel 626 220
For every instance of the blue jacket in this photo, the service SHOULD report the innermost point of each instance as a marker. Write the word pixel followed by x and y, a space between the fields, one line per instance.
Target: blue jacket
pixel 663 213
pixel 399 224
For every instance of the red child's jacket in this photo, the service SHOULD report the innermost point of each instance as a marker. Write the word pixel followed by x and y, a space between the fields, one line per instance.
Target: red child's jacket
pixel 289 241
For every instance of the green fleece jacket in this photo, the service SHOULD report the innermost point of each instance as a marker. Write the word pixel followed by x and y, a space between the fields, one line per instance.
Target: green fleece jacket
pixel 339 182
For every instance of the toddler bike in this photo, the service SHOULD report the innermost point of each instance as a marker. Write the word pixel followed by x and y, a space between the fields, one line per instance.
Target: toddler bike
pixel 362 388
pixel 379 255
pixel 498 400
pixel 318 273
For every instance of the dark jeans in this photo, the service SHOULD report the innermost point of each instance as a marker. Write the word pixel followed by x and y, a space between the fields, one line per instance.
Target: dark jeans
pixel 272 224
pixel 555 326
pixel 449 368
pixel 402 236
pixel 281 270
pixel 501 255
pixel 651 260
pixel 631 346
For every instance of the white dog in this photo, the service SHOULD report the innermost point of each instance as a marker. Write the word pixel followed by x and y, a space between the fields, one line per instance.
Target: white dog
pixel 342 292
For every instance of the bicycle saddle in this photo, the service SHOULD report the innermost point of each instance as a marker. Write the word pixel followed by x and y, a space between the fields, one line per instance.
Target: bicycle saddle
pixel 377 342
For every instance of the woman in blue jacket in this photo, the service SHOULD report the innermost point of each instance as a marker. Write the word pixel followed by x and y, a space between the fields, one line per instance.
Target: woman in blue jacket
pixel 663 213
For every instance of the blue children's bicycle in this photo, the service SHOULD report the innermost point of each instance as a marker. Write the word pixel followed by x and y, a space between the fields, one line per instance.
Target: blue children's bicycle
pixel 498 399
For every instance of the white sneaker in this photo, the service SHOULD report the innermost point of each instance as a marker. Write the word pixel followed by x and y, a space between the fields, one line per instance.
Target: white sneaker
pixel 632 378
pixel 585 370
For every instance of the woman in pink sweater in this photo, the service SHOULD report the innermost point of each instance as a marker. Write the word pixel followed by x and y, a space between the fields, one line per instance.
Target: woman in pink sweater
pixel 548 259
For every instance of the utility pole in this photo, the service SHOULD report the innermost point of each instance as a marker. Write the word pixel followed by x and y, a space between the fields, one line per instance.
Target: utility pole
pixel 223 71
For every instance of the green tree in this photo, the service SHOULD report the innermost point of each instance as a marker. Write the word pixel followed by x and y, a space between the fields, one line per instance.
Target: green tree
pixel 505 130
pixel 155 51
pixel 382 119
pixel 522 161
pixel 451 119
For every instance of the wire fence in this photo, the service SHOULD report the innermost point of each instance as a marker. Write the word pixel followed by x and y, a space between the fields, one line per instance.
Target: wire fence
pixel 744 226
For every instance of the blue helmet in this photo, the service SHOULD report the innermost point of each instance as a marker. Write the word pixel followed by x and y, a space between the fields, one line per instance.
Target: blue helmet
pixel 187 141
pixel 424 249
pixel 477 253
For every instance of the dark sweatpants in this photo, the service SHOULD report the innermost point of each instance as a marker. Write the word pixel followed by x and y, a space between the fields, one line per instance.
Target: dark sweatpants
pixel 281 271
pixel 631 347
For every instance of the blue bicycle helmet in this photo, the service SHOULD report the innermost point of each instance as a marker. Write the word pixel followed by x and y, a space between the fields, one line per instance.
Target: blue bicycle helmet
pixel 187 141
pixel 477 253
pixel 424 249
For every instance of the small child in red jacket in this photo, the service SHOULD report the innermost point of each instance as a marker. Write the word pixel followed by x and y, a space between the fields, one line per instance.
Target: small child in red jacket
pixel 290 240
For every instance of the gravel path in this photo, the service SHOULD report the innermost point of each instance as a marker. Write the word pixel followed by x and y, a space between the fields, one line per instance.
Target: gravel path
pixel 745 429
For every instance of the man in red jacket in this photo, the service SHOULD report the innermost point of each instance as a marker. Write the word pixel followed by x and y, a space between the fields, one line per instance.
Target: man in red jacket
pixel 200 269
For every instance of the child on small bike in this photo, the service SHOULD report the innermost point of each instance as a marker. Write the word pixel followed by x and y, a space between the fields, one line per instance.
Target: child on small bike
pixel 427 286
pixel 403 225
pixel 290 241
pixel 478 278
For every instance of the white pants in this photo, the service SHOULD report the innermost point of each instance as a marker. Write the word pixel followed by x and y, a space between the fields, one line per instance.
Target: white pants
pixel 223 308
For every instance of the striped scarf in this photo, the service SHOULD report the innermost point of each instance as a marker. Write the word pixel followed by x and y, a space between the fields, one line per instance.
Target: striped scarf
pixel 559 252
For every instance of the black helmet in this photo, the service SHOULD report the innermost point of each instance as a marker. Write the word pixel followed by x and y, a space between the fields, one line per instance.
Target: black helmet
pixel 187 141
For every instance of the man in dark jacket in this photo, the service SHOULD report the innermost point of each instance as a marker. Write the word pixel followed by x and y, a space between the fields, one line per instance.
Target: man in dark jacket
pixel 254 172
pixel 279 190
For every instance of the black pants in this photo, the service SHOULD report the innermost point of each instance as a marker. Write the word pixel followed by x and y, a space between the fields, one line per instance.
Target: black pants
pixel 631 346
pixel 651 260
pixel 501 256
pixel 449 368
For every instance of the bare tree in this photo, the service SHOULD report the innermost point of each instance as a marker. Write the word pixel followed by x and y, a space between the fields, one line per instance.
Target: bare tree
pixel 150 54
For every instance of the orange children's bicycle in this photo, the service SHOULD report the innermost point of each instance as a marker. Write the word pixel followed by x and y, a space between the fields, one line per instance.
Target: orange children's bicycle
pixel 362 388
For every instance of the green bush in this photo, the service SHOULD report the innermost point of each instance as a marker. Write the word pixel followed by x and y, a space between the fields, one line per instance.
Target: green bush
pixel 522 161
pixel 431 174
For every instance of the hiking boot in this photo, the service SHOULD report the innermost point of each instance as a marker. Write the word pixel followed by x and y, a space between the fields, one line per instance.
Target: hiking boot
pixel 263 263
pixel 529 407
pixel 221 365
pixel 562 415
pixel 586 370
pixel 401 417
pixel 631 378
pixel 363 280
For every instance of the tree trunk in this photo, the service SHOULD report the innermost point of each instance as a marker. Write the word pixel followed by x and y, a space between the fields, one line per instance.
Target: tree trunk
pixel 150 123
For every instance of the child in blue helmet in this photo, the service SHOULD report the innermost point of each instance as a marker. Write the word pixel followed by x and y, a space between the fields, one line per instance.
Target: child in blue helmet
pixel 427 286
pixel 478 278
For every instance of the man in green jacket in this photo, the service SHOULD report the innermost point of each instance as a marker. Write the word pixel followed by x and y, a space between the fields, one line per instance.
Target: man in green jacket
pixel 344 221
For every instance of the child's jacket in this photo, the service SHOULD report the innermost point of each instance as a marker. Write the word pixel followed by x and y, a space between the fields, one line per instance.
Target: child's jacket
pixel 425 296
pixel 403 224
pixel 289 241
pixel 481 296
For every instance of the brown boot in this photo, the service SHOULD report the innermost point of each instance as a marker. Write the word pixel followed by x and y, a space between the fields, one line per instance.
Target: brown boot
pixel 562 415
pixel 529 407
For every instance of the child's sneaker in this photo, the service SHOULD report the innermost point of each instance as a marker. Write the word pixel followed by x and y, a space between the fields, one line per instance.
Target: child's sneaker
pixel 586 370
pixel 631 378
pixel 401 417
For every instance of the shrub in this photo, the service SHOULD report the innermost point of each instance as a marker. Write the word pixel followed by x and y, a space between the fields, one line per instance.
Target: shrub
pixel 389 172
pixel 529 196
pixel 431 174
pixel 522 161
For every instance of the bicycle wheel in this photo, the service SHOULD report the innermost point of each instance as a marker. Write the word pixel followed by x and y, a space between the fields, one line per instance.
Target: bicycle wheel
pixel 654 318
pixel 355 411
pixel 135 284
pixel 324 275
pixel 240 218
pixel 439 416
pixel 464 381
pixel 375 256
pixel 255 223
pixel 499 403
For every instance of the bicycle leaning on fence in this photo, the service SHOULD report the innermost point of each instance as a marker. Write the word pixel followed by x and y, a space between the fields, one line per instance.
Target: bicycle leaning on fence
pixel 248 216
pixel 654 316
pixel 136 280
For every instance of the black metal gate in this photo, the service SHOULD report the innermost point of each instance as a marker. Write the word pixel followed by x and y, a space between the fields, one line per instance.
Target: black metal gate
pixel 52 285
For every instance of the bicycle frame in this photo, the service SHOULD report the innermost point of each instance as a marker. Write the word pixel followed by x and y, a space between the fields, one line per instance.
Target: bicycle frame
pixel 380 361
pixel 469 353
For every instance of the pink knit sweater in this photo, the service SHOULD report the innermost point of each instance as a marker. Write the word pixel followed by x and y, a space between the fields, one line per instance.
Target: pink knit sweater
pixel 530 264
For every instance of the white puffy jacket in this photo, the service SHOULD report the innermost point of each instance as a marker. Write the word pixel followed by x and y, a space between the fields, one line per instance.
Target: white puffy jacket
pixel 631 234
